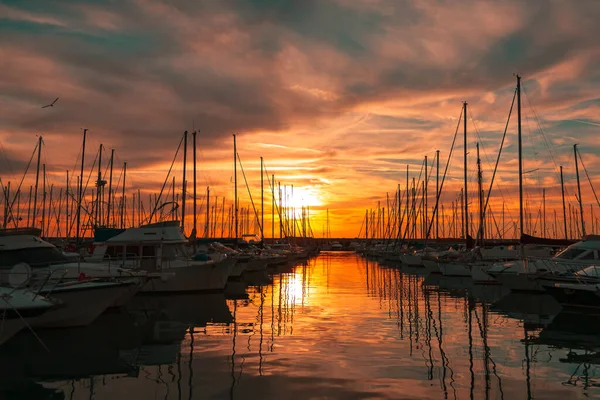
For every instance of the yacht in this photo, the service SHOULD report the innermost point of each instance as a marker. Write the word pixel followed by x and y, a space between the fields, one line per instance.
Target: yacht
pixel 27 260
pixel 535 274
pixel 162 250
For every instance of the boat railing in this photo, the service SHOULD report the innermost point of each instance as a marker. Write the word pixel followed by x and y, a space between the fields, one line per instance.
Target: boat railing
pixel 56 283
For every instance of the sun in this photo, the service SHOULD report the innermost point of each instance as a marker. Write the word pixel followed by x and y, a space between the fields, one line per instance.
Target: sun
pixel 304 196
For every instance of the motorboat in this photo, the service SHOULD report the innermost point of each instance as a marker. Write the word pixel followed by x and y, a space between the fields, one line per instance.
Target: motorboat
pixel 161 249
pixel 534 274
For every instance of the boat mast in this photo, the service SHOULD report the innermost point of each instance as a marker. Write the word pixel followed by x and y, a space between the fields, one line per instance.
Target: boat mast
pixel 437 193
pixel 207 223
pixel 579 191
pixel 465 195
pixel 562 189
pixel 43 198
pixel 183 181
pixel 80 194
pixel 67 230
pixel 520 160
pixel 425 213
pixel 544 212
pixel 194 229
pixel 262 202
pixel 235 196
pixel 479 179
pixel 110 176
pixel 123 200
pixel 98 188
pixel 37 179
pixel 273 207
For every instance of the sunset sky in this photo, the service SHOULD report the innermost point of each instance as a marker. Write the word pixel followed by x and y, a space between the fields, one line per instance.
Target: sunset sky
pixel 337 96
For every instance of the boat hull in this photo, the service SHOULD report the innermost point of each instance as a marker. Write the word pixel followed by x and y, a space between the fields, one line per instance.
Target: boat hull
pixel 455 269
pixel 520 282
pixel 574 298
pixel 192 278
pixel 81 306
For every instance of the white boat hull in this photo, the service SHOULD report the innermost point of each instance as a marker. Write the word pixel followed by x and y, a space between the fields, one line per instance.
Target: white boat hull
pixel 520 282
pixel 193 278
pixel 82 306
pixel 455 269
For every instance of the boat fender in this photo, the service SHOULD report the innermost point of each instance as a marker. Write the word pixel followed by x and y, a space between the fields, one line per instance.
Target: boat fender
pixel 83 277
pixel 19 275
pixel 91 249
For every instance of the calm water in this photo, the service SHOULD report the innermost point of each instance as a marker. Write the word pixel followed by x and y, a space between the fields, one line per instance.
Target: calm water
pixel 339 327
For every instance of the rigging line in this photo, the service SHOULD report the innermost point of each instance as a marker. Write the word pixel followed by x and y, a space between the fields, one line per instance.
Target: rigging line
pixel 437 200
pixel 271 186
pixel 548 147
pixel 588 177
pixel 20 184
pixel 500 190
pixel 250 193
pixel 499 154
pixel 166 179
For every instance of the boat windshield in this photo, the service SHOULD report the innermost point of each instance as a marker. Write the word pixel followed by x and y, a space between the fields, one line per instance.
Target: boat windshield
pixel 571 253
pixel 173 251
pixel 591 271
pixel 36 257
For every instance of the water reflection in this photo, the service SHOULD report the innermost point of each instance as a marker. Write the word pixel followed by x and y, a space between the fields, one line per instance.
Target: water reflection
pixel 338 326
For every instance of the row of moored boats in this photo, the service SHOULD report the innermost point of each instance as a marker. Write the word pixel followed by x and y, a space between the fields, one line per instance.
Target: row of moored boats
pixel 43 286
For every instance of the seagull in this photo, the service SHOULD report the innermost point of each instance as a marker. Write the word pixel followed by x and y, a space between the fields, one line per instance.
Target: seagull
pixel 51 104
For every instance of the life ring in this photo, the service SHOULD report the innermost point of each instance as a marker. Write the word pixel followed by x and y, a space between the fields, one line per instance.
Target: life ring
pixel 19 274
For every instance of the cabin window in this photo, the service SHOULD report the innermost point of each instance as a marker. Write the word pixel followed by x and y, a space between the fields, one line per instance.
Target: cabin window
pixel 113 252
pixel 148 251
pixel 132 251
pixel 589 256
pixel 172 252
pixel 571 254
pixel 37 257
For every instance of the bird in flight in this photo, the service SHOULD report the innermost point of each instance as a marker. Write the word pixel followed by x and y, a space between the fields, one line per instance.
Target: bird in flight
pixel 51 104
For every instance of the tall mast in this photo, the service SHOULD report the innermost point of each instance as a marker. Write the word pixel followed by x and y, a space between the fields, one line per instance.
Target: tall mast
pixel 544 212
pixel 67 230
pixel 437 194
pixel 579 191
pixel 466 189
pixel 273 207
pixel 110 176
pixel 99 188
pixel 37 180
pixel 280 212
pixel 43 198
pixel 562 188
pixel 80 194
pixel 521 219
pixel 194 229
pixel 124 208
pixel 262 202
pixel 207 224
pixel 235 196
pixel 183 181
pixel 425 211
pixel 480 190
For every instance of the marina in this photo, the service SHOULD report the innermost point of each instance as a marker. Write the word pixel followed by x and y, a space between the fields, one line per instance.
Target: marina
pixel 338 325
pixel 325 199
